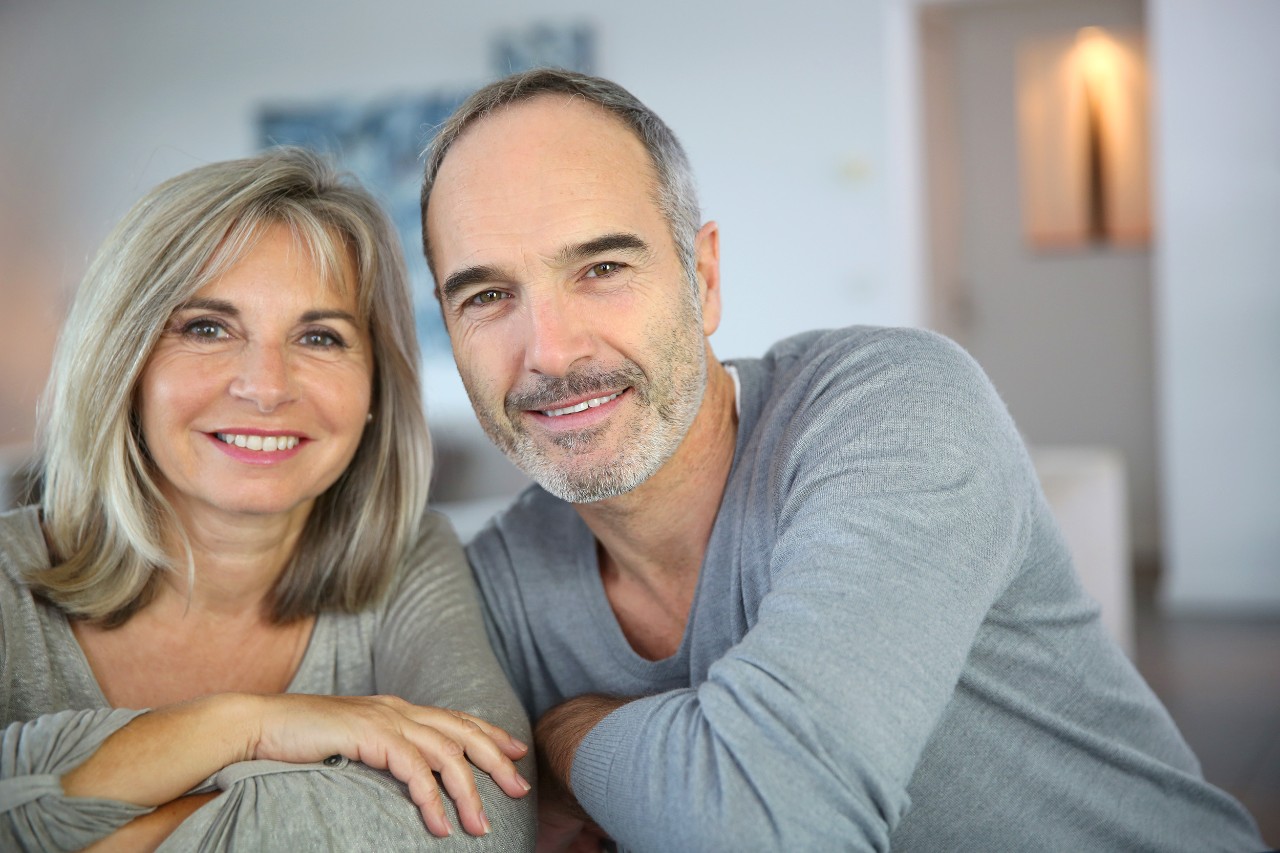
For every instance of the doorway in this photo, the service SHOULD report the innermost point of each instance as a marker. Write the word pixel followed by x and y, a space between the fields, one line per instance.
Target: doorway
pixel 1066 333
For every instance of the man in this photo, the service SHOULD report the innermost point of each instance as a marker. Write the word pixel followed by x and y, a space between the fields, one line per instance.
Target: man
pixel 809 602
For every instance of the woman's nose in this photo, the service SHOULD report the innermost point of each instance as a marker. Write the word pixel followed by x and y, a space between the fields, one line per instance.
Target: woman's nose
pixel 263 377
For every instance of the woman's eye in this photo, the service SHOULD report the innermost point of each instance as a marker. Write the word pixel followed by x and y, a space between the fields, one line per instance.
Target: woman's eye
pixel 205 329
pixel 322 339
pixel 485 297
pixel 602 269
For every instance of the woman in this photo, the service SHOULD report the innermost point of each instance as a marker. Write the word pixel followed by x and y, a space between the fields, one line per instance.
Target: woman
pixel 232 533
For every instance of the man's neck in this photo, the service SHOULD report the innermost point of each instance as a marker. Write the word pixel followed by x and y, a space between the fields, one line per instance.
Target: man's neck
pixel 653 538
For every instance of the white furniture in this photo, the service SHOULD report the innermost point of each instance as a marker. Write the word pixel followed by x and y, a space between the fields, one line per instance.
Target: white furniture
pixel 1085 487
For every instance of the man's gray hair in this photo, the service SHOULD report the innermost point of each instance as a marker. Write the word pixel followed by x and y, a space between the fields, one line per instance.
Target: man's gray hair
pixel 674 193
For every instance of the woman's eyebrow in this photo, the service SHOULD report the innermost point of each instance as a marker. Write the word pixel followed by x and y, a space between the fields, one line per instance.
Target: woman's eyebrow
pixel 222 306
pixel 328 314
pixel 219 306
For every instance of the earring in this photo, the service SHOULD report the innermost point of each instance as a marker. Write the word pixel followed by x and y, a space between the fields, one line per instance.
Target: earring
pixel 368 418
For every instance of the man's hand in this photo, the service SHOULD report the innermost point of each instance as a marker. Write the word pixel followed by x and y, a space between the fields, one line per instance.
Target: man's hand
pixel 563 825
pixel 560 833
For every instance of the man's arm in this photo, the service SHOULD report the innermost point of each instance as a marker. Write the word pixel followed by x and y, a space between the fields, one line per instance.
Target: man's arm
pixel 556 737
pixel 900 499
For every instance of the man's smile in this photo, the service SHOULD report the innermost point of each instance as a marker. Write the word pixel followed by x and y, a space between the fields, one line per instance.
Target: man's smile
pixel 581 407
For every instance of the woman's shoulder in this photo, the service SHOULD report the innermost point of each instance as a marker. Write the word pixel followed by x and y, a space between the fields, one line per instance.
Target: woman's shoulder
pixel 41 669
pixel 22 545
pixel 428 575
pixel 435 554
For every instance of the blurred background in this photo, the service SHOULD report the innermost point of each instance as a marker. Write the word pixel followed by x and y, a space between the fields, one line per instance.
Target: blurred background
pixel 1084 193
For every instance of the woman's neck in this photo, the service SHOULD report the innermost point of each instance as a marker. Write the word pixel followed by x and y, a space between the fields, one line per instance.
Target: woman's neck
pixel 237 559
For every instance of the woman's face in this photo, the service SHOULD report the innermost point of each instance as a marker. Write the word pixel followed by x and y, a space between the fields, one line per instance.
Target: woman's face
pixel 254 400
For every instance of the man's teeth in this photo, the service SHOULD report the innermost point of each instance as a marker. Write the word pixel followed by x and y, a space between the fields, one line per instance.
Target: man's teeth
pixel 265 443
pixel 581 407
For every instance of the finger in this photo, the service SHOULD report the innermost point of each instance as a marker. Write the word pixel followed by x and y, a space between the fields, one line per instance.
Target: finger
pixel 510 746
pixel 460 782
pixel 407 763
pixel 448 758
pixel 485 753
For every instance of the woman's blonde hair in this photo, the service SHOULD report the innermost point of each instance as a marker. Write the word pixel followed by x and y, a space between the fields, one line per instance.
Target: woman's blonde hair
pixel 104 515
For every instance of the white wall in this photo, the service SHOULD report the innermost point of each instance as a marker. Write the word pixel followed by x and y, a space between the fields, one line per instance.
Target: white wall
pixel 1217 66
pixel 1065 335
pixel 784 111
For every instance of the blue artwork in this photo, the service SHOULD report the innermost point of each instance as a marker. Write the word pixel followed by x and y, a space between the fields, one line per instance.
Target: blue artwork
pixel 382 141
pixel 543 45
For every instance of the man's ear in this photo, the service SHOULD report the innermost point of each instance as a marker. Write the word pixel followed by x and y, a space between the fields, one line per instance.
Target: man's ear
pixel 706 248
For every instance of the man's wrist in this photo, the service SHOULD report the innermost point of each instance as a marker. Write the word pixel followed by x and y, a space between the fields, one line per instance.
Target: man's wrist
pixel 557 736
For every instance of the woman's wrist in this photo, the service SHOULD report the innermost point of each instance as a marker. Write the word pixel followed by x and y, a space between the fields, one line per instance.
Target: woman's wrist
pixel 161 755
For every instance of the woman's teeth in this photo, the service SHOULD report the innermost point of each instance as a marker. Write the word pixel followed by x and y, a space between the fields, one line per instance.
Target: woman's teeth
pixel 581 407
pixel 265 443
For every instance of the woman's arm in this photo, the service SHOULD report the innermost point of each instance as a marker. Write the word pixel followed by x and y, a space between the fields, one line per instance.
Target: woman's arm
pixel 140 764
pixel 35 814
pixel 144 834
pixel 432 648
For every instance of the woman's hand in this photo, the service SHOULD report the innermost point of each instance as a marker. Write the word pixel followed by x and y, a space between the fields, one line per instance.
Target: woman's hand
pixel 410 741
pixel 161 755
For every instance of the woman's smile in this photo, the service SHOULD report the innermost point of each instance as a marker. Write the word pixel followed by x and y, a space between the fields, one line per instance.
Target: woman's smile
pixel 256 396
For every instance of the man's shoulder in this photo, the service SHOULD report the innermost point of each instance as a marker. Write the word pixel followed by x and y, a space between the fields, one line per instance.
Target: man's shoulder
pixel 535 524
pixel 850 363
pixel 892 344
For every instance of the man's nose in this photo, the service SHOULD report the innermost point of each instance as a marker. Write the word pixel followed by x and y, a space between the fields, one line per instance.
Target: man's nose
pixel 263 377
pixel 559 334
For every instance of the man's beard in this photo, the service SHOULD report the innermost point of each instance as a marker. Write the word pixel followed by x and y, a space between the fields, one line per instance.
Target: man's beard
pixel 665 411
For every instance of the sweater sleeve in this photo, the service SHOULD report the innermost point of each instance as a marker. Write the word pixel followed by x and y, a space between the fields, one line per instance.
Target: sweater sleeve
pixel 432 649
pixel 34 755
pixel 900 495
pixel 275 807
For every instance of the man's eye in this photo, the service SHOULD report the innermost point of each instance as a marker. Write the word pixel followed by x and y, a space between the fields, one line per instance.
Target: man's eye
pixel 603 269
pixel 485 297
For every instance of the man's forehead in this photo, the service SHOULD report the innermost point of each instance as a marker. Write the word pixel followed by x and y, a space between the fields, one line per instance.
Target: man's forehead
pixel 562 128
pixel 542 174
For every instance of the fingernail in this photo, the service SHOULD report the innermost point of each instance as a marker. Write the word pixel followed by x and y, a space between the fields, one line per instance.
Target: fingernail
pixel 524 783
pixel 484 821
pixel 519 744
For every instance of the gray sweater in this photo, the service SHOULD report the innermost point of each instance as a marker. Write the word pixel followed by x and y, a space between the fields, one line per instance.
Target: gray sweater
pixel 423 643
pixel 888 647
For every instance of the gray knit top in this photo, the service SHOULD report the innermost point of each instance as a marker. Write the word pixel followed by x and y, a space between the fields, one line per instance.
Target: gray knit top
pixel 888 647
pixel 423 642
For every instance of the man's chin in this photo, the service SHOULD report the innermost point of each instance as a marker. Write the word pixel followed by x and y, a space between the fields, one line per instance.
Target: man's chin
pixel 580 492
pixel 580 480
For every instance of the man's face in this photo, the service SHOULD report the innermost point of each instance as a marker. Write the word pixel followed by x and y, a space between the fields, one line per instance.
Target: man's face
pixel 580 341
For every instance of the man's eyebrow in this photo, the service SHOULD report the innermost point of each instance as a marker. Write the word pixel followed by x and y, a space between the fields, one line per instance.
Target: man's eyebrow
pixel 569 255
pixel 464 278
pixel 618 242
